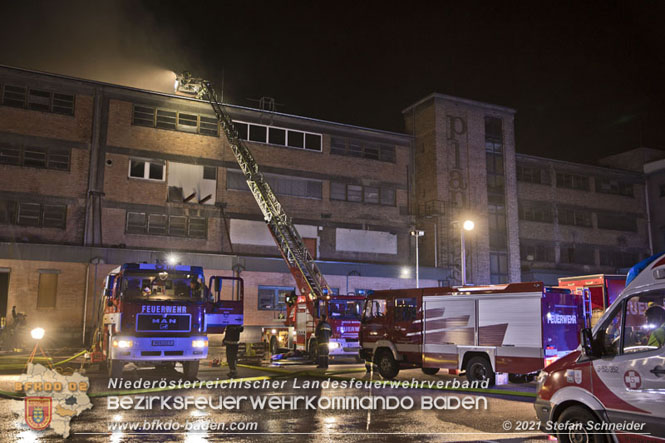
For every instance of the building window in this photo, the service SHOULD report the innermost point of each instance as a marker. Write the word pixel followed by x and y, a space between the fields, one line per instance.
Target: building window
pixel 280 184
pixel 530 174
pixel 536 252
pixel 271 298
pixel 209 173
pixel 494 155
pixel 574 217
pixel 362 194
pixel 618 222
pixel 578 254
pixel 498 268
pixel 572 181
pixel 617 258
pixel 497 227
pixel 362 149
pixel 147 169
pixel 48 288
pixel 34 157
pixel 162 224
pixel 273 135
pixel 337 191
pixel 538 212
pixel 612 186
pixel 33 214
pixel 174 120
pixel 38 100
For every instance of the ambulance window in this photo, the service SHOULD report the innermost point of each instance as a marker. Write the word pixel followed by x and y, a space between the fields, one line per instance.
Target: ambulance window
pixel 645 322
pixel 375 308
pixel 406 309
pixel 610 334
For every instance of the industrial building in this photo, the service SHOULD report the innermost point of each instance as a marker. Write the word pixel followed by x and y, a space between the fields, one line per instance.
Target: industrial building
pixel 94 175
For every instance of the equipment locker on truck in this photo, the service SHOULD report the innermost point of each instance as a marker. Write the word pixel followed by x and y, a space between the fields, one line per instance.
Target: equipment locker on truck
pixel 615 381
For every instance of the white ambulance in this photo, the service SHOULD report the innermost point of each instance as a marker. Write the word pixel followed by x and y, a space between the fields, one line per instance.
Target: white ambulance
pixel 612 388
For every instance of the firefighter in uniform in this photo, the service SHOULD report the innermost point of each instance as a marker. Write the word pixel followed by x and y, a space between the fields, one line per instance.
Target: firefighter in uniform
pixel 231 341
pixel 323 333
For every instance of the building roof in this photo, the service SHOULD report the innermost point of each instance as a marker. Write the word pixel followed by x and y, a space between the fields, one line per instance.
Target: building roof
pixel 181 97
pixel 465 101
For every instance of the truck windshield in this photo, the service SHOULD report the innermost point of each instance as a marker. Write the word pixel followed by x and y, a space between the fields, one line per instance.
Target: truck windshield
pixel 159 286
pixel 345 309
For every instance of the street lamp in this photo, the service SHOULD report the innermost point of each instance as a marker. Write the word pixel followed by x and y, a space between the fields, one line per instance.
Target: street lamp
pixel 468 225
pixel 417 233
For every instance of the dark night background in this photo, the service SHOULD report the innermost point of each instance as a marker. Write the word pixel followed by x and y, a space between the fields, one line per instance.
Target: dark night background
pixel 587 78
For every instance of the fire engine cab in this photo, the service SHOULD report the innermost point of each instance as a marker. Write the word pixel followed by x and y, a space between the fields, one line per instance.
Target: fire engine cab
pixel 613 386
pixel 159 315
pixel 515 328
pixel 343 312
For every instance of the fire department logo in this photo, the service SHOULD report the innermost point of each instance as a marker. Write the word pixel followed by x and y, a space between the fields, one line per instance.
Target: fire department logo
pixel 38 412
pixel 632 380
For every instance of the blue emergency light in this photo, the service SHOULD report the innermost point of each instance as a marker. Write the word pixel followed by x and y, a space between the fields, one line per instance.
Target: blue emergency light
pixel 641 266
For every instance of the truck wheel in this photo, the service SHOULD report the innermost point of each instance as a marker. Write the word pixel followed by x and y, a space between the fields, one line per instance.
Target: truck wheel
pixel 190 369
pixel 388 367
pixel 313 350
pixel 479 369
pixel 430 371
pixel 576 431
pixel 273 345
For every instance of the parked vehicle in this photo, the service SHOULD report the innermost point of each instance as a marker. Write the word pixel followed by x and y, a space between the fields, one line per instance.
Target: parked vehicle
pixel 160 314
pixel 617 376
pixel 515 328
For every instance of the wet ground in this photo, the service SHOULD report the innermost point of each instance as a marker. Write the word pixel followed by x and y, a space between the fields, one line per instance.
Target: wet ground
pixel 298 425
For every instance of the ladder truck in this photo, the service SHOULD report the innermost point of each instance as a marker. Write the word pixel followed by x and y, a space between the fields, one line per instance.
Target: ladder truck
pixel 305 309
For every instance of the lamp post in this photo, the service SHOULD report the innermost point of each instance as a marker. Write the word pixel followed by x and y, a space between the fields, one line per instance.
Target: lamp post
pixel 417 234
pixel 468 225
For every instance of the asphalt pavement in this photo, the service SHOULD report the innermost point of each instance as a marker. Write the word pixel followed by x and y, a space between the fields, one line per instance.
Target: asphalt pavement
pixel 327 421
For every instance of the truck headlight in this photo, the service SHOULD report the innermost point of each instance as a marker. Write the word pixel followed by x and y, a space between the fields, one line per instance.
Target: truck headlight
pixel 122 343
pixel 199 343
pixel 333 345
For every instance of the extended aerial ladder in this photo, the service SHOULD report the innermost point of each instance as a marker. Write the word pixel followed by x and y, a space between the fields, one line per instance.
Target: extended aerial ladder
pixel 309 279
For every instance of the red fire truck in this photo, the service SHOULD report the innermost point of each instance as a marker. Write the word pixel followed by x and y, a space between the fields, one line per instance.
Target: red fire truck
pixel 598 291
pixel 344 313
pixel 517 328
pixel 158 314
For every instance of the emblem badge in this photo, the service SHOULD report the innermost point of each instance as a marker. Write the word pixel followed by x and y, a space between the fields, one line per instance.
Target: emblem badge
pixel 38 412
pixel 632 380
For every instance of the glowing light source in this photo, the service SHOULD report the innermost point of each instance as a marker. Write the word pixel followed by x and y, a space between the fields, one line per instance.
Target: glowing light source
pixel 274 331
pixel 405 272
pixel 333 345
pixel 468 225
pixel 122 344
pixel 172 259
pixel 37 333
pixel 199 343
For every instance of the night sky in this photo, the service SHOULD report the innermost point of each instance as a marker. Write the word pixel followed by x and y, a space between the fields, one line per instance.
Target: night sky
pixel 587 78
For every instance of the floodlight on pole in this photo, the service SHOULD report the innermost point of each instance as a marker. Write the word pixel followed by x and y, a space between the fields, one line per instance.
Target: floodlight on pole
pixel 417 233
pixel 467 225
pixel 37 333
